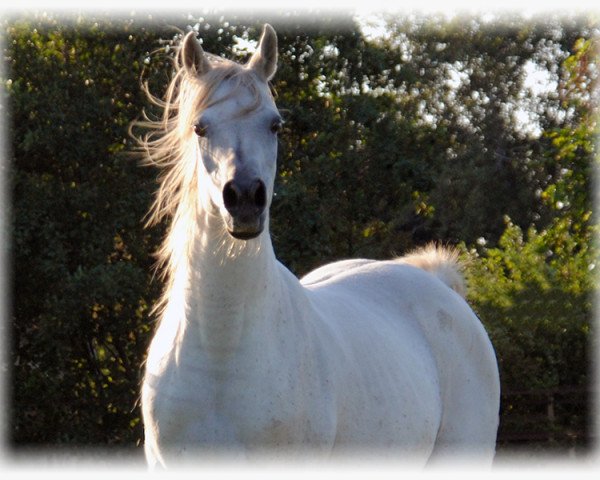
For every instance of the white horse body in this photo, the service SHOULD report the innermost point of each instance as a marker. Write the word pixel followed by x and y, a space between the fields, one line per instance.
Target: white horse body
pixel 379 357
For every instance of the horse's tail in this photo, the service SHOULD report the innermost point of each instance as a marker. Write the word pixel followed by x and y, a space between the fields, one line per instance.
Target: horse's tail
pixel 441 262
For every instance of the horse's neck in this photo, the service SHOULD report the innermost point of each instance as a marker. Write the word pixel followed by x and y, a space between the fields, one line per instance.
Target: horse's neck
pixel 230 286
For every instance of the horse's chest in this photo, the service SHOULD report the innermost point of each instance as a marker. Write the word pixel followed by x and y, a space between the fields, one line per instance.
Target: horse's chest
pixel 197 409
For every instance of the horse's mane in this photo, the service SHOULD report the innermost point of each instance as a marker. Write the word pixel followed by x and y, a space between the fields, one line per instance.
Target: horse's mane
pixel 169 145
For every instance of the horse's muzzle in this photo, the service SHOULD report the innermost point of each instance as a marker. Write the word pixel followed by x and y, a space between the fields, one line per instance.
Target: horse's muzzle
pixel 245 202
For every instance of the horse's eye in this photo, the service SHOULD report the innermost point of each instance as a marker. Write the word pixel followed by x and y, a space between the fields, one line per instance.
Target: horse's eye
pixel 200 129
pixel 276 126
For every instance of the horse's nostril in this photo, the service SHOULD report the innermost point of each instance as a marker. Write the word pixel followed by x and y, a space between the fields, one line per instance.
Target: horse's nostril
pixel 260 194
pixel 240 199
pixel 230 195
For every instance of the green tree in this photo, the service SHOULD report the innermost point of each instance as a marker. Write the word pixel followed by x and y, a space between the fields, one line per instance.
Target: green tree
pixel 466 82
pixel 81 265
pixel 535 292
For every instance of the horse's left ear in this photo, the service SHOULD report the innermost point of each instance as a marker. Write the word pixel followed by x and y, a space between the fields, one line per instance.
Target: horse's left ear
pixel 264 60
pixel 193 57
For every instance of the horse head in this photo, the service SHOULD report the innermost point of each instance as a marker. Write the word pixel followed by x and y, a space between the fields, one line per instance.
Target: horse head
pixel 235 129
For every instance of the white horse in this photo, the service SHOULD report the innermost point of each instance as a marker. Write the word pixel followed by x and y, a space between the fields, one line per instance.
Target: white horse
pixel 379 357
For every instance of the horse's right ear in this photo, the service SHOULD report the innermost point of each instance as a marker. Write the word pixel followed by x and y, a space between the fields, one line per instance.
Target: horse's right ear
pixel 193 57
pixel 264 60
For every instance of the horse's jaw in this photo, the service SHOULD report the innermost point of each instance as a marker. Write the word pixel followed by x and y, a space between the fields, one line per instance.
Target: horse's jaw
pixel 244 235
pixel 244 230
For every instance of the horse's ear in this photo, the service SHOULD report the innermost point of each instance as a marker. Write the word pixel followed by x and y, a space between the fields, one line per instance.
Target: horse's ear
pixel 193 57
pixel 264 60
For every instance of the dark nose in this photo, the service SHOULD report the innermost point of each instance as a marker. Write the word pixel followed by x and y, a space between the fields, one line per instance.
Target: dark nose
pixel 245 201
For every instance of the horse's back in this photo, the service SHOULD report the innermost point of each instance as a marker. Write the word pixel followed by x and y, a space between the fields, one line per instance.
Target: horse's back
pixel 333 270
pixel 378 307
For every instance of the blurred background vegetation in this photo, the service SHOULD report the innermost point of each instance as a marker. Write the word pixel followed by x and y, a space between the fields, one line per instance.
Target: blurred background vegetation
pixel 475 131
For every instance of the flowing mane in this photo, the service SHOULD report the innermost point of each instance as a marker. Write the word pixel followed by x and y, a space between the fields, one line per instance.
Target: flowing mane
pixel 169 144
